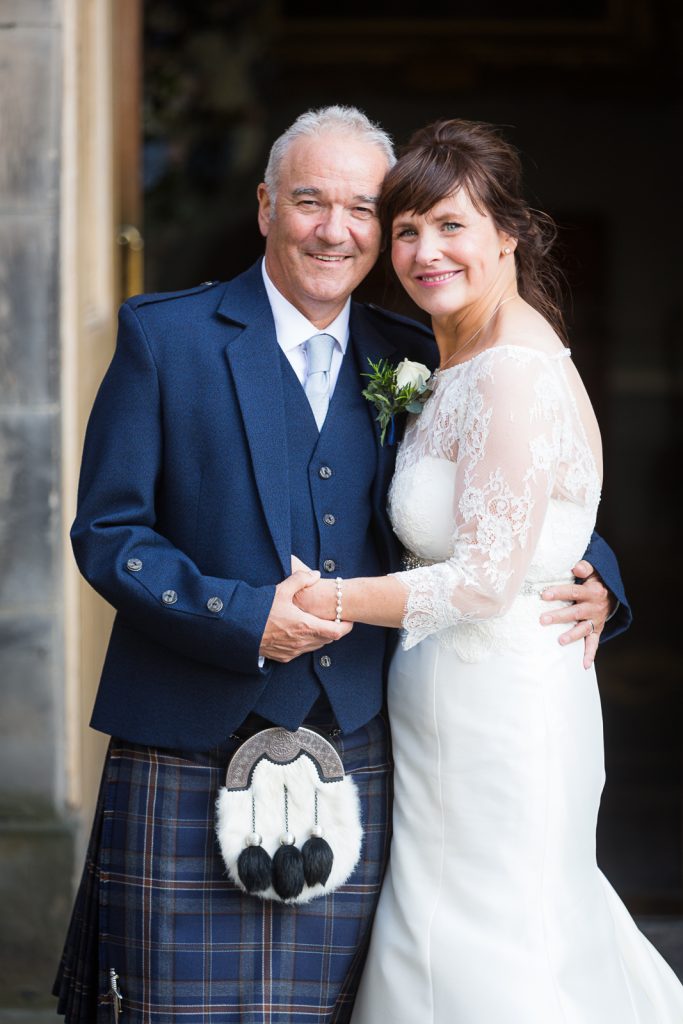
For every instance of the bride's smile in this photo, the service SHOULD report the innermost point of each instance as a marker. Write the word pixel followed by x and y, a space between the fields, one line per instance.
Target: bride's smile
pixel 451 259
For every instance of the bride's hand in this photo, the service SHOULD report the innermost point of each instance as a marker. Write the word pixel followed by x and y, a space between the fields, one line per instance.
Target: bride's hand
pixel 320 599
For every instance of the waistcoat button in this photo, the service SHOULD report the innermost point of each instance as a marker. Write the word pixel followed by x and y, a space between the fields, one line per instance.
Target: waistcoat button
pixel 214 604
pixel 169 597
pixel 326 661
pixel 329 519
pixel 325 472
pixel 134 565
pixel 329 565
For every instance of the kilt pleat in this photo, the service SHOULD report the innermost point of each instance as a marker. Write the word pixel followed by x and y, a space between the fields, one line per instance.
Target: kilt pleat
pixel 77 984
pixel 155 903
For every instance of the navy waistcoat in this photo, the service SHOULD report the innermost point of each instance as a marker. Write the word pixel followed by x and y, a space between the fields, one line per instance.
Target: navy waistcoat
pixel 330 482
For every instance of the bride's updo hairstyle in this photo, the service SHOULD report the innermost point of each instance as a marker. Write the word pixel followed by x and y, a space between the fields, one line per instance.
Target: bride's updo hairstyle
pixel 449 155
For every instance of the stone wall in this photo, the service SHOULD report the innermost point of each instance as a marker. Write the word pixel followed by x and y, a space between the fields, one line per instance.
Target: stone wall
pixel 36 858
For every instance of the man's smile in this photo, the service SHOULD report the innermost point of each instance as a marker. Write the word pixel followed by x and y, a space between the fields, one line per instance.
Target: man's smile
pixel 329 257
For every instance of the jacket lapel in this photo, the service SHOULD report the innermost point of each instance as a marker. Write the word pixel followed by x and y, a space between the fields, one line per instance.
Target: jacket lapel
pixel 254 360
pixel 371 346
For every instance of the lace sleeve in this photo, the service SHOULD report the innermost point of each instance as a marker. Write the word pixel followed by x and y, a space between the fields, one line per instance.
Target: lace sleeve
pixel 506 449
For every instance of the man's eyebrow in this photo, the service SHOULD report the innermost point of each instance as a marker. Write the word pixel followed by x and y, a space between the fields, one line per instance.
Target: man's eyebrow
pixel 309 190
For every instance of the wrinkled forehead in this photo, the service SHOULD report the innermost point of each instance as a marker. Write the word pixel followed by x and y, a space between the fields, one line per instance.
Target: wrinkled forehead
pixel 334 157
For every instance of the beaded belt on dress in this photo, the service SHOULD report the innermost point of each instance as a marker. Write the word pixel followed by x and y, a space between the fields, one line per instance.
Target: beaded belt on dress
pixel 411 561
pixel 529 588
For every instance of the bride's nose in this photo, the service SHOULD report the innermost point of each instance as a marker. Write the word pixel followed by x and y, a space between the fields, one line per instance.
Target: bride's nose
pixel 427 250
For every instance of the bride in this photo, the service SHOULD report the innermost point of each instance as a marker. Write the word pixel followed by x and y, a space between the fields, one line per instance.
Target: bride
pixel 493 910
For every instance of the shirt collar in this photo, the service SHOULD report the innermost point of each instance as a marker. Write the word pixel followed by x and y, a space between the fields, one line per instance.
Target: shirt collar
pixel 292 328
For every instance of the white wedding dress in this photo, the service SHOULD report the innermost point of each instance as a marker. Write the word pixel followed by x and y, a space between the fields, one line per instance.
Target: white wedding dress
pixel 493 910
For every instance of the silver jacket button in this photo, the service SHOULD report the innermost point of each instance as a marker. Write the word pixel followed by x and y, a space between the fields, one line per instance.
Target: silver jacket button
pixel 169 597
pixel 329 565
pixel 326 661
pixel 325 472
pixel 134 565
pixel 329 519
pixel 214 604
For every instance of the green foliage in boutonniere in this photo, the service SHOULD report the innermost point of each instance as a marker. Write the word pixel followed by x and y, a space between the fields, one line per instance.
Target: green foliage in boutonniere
pixel 396 389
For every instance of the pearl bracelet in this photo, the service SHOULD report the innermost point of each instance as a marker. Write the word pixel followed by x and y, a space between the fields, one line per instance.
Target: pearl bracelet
pixel 338 583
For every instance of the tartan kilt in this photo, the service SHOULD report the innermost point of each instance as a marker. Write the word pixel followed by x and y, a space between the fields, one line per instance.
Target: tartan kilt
pixel 155 903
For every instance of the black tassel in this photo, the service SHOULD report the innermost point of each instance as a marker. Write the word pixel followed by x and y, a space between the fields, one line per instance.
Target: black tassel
pixel 288 872
pixel 254 868
pixel 317 857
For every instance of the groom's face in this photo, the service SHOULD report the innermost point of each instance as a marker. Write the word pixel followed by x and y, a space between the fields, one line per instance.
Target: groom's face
pixel 321 229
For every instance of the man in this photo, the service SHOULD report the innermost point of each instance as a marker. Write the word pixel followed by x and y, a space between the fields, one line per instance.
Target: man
pixel 207 465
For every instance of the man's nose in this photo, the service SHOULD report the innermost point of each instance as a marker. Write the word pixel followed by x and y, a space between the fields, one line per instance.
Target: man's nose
pixel 332 227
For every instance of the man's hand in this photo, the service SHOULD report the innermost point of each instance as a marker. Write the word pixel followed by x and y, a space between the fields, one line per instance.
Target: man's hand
pixel 290 631
pixel 592 604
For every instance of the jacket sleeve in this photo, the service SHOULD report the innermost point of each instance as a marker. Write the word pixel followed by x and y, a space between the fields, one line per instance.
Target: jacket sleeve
pixel 604 561
pixel 154 585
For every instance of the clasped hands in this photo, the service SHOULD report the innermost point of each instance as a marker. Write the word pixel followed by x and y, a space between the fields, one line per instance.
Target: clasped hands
pixel 300 618
pixel 291 630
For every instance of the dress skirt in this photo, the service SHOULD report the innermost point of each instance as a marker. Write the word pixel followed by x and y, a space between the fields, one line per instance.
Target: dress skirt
pixel 155 905
pixel 493 909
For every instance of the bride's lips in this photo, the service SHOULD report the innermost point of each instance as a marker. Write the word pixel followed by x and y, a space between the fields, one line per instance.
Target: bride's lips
pixel 434 279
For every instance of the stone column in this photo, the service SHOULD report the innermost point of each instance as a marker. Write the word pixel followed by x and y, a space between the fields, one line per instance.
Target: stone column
pixel 36 840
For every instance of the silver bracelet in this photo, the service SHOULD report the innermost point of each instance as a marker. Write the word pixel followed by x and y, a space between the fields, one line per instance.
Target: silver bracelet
pixel 338 583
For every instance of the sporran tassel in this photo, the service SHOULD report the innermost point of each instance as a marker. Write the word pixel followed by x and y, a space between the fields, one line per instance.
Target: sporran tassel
pixel 254 865
pixel 317 854
pixel 317 858
pixel 288 865
pixel 288 872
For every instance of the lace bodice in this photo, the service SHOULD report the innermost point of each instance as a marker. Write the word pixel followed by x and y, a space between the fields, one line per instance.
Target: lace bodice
pixel 497 485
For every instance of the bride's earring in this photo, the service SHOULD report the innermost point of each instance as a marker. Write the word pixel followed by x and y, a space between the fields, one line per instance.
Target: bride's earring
pixel 507 250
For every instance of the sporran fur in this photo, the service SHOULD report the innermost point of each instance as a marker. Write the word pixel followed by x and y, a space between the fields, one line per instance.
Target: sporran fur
pixel 288 811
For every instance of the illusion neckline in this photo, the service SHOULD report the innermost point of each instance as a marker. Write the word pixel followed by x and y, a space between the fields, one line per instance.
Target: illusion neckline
pixel 564 354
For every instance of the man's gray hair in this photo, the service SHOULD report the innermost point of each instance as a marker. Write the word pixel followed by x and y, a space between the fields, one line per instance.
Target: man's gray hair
pixel 344 120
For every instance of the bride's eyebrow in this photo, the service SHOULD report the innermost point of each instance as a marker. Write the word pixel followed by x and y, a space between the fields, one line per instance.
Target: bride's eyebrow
pixel 449 215
pixel 406 220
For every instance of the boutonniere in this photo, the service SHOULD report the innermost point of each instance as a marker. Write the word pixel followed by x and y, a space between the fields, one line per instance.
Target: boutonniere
pixel 396 389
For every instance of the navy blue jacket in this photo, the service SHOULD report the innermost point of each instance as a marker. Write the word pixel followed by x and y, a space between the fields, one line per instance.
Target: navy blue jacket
pixel 183 520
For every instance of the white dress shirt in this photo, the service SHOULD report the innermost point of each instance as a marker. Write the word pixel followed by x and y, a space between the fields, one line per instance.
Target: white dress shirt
pixel 293 330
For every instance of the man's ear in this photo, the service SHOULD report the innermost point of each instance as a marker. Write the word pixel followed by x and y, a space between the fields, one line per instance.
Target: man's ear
pixel 264 209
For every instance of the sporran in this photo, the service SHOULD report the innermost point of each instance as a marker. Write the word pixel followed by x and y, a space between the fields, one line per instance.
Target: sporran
pixel 288 818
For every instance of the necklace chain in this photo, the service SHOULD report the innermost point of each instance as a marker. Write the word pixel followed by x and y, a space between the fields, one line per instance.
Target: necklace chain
pixel 475 335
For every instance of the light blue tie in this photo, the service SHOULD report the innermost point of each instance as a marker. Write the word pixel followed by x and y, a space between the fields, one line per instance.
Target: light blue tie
pixel 319 350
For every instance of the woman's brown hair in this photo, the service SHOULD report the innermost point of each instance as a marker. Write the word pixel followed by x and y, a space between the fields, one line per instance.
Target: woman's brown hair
pixel 453 154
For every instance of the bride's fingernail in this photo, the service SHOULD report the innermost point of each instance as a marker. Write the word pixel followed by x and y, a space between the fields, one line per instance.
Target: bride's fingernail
pixel 548 595
pixel 546 619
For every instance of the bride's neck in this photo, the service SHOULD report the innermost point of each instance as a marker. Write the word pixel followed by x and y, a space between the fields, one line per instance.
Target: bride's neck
pixel 466 330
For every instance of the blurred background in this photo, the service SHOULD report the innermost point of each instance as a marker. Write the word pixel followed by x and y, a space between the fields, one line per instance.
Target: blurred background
pixel 133 136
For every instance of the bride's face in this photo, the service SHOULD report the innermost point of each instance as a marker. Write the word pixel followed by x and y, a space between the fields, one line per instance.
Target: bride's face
pixel 451 258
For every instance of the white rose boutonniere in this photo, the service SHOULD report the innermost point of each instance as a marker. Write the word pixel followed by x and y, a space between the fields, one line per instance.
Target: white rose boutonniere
pixel 410 374
pixel 396 389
